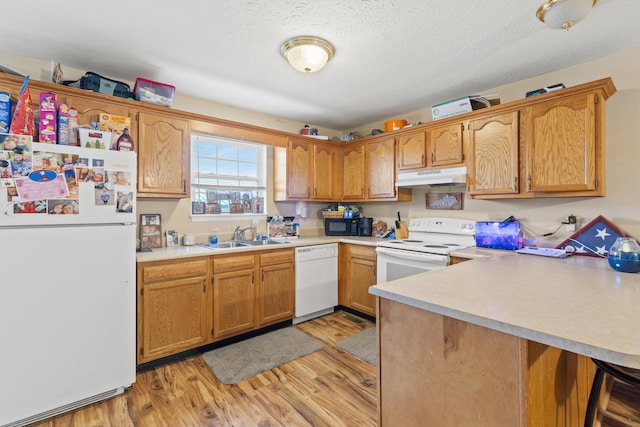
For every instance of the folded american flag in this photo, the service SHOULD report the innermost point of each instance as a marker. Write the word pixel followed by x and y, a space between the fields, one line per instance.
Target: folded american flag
pixel 594 239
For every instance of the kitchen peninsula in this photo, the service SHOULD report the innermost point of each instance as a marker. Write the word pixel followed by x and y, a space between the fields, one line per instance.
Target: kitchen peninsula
pixel 502 340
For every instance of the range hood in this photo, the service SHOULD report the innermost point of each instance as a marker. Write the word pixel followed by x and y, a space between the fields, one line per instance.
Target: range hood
pixel 431 177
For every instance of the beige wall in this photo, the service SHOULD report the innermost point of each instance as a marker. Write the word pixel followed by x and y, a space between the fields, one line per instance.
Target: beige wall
pixel 621 205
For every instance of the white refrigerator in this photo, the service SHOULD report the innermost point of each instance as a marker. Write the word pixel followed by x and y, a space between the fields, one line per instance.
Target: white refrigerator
pixel 67 285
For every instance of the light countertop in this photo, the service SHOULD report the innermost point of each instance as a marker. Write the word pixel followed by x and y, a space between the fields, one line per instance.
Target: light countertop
pixel 578 304
pixel 175 252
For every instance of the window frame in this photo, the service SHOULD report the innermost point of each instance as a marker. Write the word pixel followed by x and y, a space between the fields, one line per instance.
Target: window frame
pixel 195 176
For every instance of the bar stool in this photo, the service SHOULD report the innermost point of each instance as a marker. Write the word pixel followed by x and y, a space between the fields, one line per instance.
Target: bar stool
pixel 629 376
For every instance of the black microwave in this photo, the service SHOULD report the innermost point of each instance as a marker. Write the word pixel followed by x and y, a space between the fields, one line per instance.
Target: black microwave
pixel 341 226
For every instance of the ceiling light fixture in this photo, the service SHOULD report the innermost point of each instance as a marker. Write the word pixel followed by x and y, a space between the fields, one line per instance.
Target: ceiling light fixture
pixel 307 54
pixel 564 14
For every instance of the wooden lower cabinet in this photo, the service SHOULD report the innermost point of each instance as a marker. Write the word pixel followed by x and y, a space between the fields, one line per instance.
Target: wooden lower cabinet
pixel 357 272
pixel 233 294
pixel 276 291
pixel 251 291
pixel 457 260
pixel 437 371
pixel 187 303
pixel 172 307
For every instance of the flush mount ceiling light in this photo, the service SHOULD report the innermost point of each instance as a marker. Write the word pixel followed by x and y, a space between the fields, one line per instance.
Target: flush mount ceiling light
pixel 564 14
pixel 307 54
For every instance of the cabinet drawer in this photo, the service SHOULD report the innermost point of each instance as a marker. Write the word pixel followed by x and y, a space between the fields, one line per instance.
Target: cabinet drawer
pixel 224 263
pixel 174 270
pixel 360 251
pixel 277 257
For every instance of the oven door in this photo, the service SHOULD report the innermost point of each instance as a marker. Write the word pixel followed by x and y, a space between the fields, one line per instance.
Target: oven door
pixel 398 263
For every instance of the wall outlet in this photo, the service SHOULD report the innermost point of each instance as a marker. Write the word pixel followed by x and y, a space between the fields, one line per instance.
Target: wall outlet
pixel 571 223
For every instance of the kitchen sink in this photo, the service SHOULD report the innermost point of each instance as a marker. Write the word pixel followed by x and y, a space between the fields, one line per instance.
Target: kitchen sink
pixel 241 244
pixel 261 242
pixel 225 245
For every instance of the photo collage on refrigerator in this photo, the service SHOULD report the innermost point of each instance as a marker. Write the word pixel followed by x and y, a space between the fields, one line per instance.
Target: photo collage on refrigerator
pixel 47 182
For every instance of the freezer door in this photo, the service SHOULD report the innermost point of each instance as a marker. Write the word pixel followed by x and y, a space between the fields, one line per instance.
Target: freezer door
pixel 67 316
pixel 97 186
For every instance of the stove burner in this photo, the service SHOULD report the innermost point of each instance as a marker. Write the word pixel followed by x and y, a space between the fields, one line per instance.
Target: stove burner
pixel 412 241
pixel 451 244
pixel 435 246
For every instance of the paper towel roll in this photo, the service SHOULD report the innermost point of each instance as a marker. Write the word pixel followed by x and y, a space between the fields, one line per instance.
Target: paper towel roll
pixel 301 209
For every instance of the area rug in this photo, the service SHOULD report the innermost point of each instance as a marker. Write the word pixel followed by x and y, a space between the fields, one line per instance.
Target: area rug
pixel 362 345
pixel 239 361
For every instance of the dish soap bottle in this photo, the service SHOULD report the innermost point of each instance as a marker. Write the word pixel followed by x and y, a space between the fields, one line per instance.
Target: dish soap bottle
pixel 214 236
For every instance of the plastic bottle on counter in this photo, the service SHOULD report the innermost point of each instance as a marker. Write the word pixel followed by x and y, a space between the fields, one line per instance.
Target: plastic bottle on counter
pixel 214 236
pixel 296 229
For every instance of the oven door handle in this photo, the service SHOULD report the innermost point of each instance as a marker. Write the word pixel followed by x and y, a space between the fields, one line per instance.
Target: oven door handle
pixel 416 256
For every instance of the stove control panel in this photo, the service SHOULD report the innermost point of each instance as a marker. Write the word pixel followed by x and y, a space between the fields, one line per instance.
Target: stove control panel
pixel 442 225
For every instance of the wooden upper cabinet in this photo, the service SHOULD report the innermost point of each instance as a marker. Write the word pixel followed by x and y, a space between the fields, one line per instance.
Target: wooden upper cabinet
pixel 561 142
pixel 163 156
pixel 327 173
pixel 561 145
pixel 381 171
pixel 445 145
pixel 493 148
pixel 353 171
pixel 306 170
pixel 299 163
pixel 89 111
pixel 412 151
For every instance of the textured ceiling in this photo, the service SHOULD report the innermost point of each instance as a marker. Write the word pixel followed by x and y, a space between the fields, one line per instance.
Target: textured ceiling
pixel 392 57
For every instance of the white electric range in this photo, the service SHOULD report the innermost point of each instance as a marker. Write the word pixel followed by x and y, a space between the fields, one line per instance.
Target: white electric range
pixel 427 248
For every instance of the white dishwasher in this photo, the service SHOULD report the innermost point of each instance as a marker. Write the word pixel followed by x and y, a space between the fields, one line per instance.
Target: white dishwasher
pixel 316 281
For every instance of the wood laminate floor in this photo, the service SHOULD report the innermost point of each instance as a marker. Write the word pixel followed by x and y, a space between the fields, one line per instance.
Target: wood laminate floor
pixel 327 388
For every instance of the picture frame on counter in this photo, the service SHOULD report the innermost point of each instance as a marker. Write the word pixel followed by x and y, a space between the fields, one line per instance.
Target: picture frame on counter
pixel 197 208
pixel 150 231
pixel 172 238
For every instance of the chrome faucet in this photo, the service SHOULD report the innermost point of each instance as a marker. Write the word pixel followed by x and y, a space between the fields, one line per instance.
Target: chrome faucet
pixel 239 233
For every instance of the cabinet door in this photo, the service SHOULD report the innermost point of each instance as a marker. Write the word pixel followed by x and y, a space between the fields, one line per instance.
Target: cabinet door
pixel 89 111
pixel 561 145
pixel 493 145
pixel 233 294
pixel 381 172
pixel 353 172
pixel 299 169
pixel 357 273
pixel 412 151
pixel 173 317
pixel 163 156
pixel 445 145
pixel 276 293
pixel 327 174
pixel 233 302
pixel 363 275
